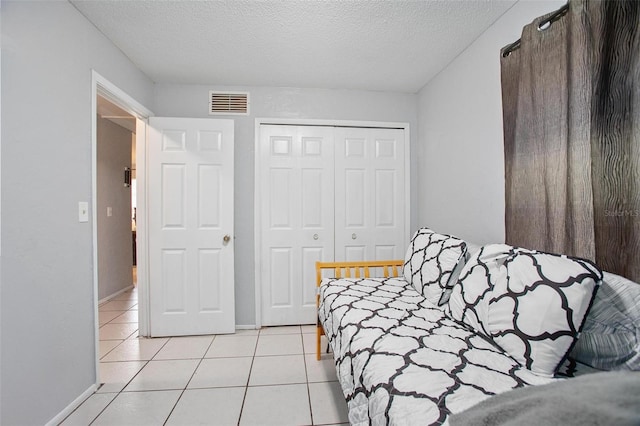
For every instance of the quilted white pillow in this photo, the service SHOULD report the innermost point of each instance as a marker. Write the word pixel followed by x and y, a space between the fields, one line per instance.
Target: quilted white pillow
pixel 430 260
pixel 531 304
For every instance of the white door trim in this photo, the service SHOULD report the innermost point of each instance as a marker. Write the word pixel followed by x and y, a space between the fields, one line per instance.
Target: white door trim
pixel 103 87
pixel 257 220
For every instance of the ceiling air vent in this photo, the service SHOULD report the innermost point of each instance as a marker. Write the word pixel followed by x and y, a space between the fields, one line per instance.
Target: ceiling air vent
pixel 229 103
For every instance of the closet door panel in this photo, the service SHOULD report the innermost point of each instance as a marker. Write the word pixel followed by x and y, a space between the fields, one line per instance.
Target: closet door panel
pixel 354 199
pixel 330 194
pixel 280 266
pixel 385 185
pixel 352 253
pixel 296 187
pixel 281 200
pixel 370 205
pixel 387 252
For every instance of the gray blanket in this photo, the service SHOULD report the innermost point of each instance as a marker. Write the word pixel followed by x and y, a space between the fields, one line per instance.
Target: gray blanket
pixel 609 398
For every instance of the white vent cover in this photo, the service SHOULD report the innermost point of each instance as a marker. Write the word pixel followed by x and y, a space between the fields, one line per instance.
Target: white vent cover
pixel 228 103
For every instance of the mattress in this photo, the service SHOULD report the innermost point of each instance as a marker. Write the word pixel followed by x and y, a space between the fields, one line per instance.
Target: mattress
pixel 401 361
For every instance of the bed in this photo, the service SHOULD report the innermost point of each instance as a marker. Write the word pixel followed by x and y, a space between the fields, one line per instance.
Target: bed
pixel 403 359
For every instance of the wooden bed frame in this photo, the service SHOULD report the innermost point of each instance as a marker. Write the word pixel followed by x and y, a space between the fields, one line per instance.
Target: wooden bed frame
pixel 388 268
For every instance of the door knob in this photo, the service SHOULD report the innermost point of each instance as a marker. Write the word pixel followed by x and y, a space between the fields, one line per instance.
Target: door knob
pixel 315 236
pixel 354 236
pixel 226 239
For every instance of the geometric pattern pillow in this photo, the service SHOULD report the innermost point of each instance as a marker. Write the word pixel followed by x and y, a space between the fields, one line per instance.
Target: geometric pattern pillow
pixel 610 338
pixel 531 304
pixel 429 262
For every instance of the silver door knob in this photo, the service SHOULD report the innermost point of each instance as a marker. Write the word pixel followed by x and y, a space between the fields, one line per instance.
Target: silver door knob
pixel 226 239
pixel 354 236
pixel 315 236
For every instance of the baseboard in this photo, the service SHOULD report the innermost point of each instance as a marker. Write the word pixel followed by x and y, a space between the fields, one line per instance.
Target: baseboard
pixel 246 327
pixel 117 293
pixel 75 404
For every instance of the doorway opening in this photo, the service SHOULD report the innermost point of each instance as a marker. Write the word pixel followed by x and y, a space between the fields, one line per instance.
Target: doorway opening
pixel 119 133
pixel 116 198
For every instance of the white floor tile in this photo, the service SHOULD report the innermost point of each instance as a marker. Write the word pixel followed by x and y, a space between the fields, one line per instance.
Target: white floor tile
pixel 308 329
pixel 118 305
pixel 139 409
pixel 276 405
pixel 281 344
pixel 284 376
pixel 136 349
pixel 115 375
pixel 277 370
pixel 320 371
pixel 107 345
pixel 309 342
pixel 221 372
pixel 106 316
pixel 185 347
pixel 127 295
pixel 287 329
pixel 117 331
pixel 232 346
pixel 89 409
pixel 162 375
pixel 208 406
pixel 126 316
pixel 135 335
pixel 327 403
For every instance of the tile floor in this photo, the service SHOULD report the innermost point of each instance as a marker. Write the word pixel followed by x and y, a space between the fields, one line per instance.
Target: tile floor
pixel 253 377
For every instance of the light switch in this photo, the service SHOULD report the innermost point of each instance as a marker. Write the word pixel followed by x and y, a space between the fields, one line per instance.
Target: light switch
pixel 83 211
pixel 109 211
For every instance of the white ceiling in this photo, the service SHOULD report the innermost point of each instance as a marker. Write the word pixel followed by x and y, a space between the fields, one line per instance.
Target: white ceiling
pixel 385 45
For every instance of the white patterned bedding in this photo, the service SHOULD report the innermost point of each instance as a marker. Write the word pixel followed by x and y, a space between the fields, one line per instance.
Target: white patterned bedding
pixel 401 361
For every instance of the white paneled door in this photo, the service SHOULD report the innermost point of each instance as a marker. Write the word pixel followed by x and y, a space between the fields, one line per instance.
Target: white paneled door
pixel 326 193
pixel 296 187
pixel 370 205
pixel 191 276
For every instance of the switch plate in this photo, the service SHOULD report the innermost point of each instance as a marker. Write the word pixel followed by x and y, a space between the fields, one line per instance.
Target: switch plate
pixel 83 211
pixel 109 212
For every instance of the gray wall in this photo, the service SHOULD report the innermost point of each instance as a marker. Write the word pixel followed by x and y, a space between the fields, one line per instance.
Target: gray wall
pixel 115 248
pixel 191 101
pixel 461 178
pixel 47 319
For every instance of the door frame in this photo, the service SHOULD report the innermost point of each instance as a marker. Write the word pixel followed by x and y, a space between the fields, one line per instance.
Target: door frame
pixel 103 87
pixel 257 220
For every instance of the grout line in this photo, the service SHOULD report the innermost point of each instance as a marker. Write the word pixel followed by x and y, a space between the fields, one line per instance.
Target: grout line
pixel 146 362
pixel 101 411
pixel 188 381
pixel 160 348
pixel 306 373
pixel 117 393
pixel 254 355
pixel 246 388
pixel 110 340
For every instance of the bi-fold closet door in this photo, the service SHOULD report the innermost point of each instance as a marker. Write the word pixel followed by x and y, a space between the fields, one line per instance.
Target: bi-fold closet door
pixel 326 193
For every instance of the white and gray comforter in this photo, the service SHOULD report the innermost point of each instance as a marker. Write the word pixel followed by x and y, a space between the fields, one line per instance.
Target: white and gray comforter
pixel 401 361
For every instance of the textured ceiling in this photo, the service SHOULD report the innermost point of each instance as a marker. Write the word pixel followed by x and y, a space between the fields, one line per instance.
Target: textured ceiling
pixel 389 45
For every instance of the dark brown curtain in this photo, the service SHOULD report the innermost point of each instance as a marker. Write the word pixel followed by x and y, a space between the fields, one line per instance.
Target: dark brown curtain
pixel 571 109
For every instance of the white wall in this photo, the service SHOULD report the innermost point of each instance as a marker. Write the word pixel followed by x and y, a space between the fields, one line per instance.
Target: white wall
pixel 47 318
pixel 461 178
pixel 192 101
